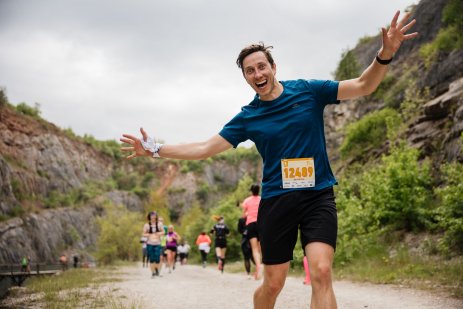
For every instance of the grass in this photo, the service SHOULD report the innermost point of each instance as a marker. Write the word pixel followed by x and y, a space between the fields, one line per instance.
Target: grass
pixel 75 288
pixel 430 273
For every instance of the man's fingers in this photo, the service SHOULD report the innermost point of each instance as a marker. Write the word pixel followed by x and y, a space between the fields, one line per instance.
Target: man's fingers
pixel 410 36
pixel 408 26
pixel 127 141
pixel 403 20
pixel 127 149
pixel 133 155
pixel 143 133
pixel 394 19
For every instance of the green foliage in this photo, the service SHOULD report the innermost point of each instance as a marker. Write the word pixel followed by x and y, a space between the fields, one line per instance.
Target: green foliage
pixel 393 195
pixel 74 234
pixel 451 14
pixel 449 214
pixel 157 202
pixel 119 237
pixel 369 132
pixel 18 190
pixel 348 67
pixel 447 40
pixel 70 133
pixel 202 192
pixel 109 147
pixel 387 83
pixel 235 156
pixel 365 39
pixel 398 191
pixel 3 98
pixel 77 196
pixel 414 99
pixel 195 166
pixel 25 109
pixel 394 94
pixel 450 37
pixel 125 181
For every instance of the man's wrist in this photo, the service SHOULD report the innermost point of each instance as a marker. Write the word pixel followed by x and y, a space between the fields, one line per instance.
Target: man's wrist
pixel 383 57
pixel 151 147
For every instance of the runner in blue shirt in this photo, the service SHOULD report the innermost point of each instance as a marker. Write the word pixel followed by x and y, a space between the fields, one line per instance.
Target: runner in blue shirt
pixel 285 121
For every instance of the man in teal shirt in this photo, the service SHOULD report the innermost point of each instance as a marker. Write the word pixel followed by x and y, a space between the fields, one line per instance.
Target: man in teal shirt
pixel 285 120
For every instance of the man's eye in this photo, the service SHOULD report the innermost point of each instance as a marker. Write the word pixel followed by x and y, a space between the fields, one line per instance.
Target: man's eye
pixel 249 71
pixel 261 67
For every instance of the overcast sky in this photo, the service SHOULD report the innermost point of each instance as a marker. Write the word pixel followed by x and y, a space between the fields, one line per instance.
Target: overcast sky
pixel 107 67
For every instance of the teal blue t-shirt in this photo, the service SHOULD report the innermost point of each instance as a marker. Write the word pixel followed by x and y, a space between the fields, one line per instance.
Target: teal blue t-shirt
pixel 288 127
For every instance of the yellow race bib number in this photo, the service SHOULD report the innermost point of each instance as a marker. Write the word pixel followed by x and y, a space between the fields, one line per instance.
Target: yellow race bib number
pixel 298 173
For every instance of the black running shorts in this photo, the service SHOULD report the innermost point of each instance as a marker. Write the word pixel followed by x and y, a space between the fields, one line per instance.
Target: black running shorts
pixel 312 211
pixel 252 230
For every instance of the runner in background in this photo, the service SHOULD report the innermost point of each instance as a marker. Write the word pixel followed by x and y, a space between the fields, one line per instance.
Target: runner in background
pixel 250 210
pixel 144 253
pixel 153 230
pixel 245 245
pixel 163 245
pixel 171 247
pixel 221 231
pixel 204 246
pixel 183 250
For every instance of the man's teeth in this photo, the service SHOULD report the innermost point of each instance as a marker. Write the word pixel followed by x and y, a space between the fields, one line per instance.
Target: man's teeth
pixel 261 84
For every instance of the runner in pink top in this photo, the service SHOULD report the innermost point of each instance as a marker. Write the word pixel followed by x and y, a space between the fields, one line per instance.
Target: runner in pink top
pixel 250 210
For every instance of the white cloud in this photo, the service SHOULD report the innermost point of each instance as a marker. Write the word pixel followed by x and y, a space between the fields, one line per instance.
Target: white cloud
pixel 108 67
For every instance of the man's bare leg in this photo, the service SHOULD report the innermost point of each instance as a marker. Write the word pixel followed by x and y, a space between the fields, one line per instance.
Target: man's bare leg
pixel 274 279
pixel 320 256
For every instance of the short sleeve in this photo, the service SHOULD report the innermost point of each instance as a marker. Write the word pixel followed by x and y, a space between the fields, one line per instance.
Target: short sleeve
pixel 234 131
pixel 326 90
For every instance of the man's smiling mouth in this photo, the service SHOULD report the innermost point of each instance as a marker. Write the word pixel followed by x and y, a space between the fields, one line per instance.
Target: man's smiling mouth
pixel 261 84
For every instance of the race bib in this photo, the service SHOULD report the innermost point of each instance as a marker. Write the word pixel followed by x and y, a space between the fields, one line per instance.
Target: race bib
pixel 298 173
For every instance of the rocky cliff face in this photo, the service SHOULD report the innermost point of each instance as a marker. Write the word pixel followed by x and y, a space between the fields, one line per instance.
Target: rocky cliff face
pixel 37 160
pixel 440 118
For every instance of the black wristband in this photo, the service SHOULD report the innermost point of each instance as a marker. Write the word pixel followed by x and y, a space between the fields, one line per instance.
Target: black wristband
pixel 381 61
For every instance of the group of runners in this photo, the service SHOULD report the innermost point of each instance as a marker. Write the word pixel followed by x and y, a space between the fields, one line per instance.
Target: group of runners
pixel 161 245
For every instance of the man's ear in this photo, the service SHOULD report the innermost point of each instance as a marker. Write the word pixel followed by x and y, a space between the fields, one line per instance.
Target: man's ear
pixel 274 68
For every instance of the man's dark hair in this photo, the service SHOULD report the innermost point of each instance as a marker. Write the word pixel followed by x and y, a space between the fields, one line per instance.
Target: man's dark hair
pixel 255 189
pixel 252 49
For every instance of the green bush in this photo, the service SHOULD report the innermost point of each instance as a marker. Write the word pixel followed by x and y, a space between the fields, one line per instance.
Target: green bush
pixel 195 166
pixel 3 98
pixel 375 200
pixel 235 156
pixel 387 83
pixel 397 193
pixel 449 214
pixel 369 132
pixel 414 99
pixel 119 238
pixel 449 38
pixel 25 109
pixel 348 67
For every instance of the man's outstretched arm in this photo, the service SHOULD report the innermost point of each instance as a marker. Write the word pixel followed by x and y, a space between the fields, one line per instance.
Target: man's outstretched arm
pixel 370 79
pixel 191 151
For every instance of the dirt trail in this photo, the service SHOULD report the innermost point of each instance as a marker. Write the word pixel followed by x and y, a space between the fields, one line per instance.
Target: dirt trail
pixel 194 287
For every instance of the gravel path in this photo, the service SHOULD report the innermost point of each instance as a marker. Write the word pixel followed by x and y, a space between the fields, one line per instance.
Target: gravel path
pixel 191 286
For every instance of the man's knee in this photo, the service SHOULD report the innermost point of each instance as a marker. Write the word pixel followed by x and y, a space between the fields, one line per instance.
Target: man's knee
pixel 321 273
pixel 273 287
